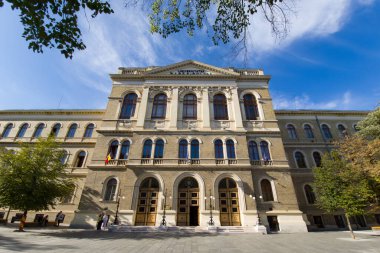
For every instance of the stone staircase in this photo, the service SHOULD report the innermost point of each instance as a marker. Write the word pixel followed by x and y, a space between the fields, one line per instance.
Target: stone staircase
pixel 181 229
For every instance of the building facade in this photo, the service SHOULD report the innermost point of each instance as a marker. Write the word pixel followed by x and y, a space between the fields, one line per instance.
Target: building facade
pixel 190 141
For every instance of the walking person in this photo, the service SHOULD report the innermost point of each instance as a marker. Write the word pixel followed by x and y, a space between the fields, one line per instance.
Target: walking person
pixel 100 221
pixel 22 222
pixel 59 218
pixel 105 221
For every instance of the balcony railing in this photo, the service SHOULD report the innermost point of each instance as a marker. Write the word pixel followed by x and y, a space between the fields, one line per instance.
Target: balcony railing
pixel 191 162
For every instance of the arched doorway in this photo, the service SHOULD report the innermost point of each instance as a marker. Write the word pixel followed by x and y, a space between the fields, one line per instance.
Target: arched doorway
pixel 188 202
pixel 229 203
pixel 147 203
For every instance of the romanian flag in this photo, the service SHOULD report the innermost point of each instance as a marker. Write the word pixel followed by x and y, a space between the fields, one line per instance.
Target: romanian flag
pixel 108 158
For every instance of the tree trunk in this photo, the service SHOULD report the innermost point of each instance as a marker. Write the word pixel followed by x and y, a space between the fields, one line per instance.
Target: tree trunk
pixel 349 226
pixel 6 218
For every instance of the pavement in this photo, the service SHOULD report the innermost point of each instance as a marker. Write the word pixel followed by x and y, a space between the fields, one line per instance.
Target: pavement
pixel 92 241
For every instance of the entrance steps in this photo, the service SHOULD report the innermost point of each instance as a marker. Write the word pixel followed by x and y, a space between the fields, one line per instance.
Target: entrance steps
pixel 181 229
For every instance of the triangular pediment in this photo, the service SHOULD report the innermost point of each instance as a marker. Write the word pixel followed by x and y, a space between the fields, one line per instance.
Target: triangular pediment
pixel 191 68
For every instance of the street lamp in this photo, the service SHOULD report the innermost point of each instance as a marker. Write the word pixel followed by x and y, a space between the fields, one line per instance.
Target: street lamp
pixel 163 222
pixel 211 222
pixel 258 216
pixel 116 221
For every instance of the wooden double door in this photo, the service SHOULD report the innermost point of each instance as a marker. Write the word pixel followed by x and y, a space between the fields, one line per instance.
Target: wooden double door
pixel 188 203
pixel 229 203
pixel 147 203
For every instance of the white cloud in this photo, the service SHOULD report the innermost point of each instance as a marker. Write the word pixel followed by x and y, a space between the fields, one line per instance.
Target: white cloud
pixel 304 102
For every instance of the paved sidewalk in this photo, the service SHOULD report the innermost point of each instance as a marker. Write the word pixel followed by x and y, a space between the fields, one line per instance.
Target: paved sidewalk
pixel 69 240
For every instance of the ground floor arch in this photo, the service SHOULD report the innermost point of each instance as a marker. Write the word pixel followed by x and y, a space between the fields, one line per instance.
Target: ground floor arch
pixel 147 205
pixel 229 202
pixel 188 202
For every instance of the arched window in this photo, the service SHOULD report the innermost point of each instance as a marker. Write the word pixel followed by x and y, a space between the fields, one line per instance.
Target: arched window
pixel 55 130
pixel 265 151
pixel 147 149
pixel 317 158
pixel 64 157
pixel 266 190
pixel 230 145
pixel 159 106
pixel 253 151
pixel 342 130
pixel 220 107
pixel 308 131
pixel 89 130
pixel 72 130
pixel 7 130
pixel 182 152
pixel 37 133
pixel 129 106
pixel 80 159
pixel 310 196
pixel 194 152
pixel 326 131
pixel 22 130
pixel 112 151
pixel 159 150
pixel 356 128
pixel 218 149
pixel 110 192
pixel 300 160
pixel 291 131
pixel 190 106
pixel 124 150
pixel 250 106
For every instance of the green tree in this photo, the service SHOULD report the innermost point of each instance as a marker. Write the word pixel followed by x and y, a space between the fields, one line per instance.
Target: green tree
pixel 340 185
pixel 54 24
pixel 369 127
pixel 34 177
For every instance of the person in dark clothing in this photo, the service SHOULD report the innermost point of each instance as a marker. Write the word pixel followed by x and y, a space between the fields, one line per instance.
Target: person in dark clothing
pixel 100 221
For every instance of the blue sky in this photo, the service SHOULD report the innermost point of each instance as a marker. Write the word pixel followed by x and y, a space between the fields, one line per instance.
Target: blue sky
pixel 329 60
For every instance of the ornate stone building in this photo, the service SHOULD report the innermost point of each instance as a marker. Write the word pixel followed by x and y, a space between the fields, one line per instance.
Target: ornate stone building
pixel 187 140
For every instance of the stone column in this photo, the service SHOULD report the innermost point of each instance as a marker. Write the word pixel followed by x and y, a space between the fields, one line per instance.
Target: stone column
pixel 142 109
pixel 174 107
pixel 206 109
pixel 236 109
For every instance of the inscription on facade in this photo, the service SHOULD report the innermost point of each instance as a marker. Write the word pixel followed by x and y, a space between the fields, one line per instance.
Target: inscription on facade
pixel 190 72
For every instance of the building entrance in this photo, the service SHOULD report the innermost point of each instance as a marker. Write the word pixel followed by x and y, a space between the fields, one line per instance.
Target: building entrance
pixel 147 203
pixel 229 203
pixel 188 203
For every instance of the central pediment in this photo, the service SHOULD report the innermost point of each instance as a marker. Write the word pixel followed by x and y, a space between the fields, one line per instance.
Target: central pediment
pixel 191 68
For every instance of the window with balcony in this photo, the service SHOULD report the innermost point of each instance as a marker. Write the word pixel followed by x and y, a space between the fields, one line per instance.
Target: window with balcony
pixel 55 130
pixel 342 130
pixel 37 133
pixel 266 190
pixel 22 130
pixel 189 107
pixel 265 151
pixel 124 152
pixel 80 159
pixel 308 131
pixel 89 130
pixel 253 151
pixel 159 150
pixel 300 160
pixel 129 106
pixel 182 152
pixel 220 107
pixel 72 130
pixel 317 158
pixel 7 130
pixel 147 149
pixel 110 192
pixel 230 145
pixel 250 106
pixel 291 132
pixel 194 152
pixel 218 144
pixel 326 132
pixel 112 151
pixel 310 196
pixel 159 106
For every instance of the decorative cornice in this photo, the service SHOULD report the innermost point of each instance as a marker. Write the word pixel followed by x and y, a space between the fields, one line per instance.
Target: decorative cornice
pixel 321 112
pixel 53 112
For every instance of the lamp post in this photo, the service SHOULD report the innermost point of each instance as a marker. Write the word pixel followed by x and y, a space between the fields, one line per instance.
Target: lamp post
pixel 116 221
pixel 163 222
pixel 211 222
pixel 258 216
